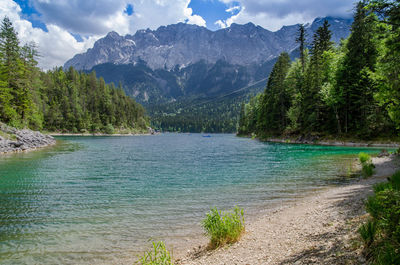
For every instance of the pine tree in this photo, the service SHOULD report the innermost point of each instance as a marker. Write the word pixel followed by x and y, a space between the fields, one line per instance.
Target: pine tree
pixel 354 77
pixel 12 72
pixel 8 55
pixel 314 115
pixel 272 118
pixel 302 41
pixel 388 75
pixel 242 121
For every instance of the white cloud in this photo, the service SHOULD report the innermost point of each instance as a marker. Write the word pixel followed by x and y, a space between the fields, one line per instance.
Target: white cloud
pixel 194 19
pixel 102 16
pixel 95 18
pixel 268 21
pixel 154 13
pixel 54 46
pixel 91 18
pixel 273 14
pixel 233 19
pixel 232 9
pixel 221 23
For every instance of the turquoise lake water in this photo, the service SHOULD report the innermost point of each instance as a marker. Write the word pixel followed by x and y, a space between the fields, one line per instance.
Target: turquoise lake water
pixel 93 200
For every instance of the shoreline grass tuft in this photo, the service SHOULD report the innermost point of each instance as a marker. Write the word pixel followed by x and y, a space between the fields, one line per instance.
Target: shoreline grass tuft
pixel 158 255
pixel 366 164
pixel 224 227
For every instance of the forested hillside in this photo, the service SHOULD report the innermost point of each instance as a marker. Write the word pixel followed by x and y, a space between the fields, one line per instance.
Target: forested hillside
pixel 59 100
pixel 213 115
pixel 348 91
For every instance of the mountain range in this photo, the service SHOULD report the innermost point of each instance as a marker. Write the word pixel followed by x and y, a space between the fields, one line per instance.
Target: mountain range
pixel 185 63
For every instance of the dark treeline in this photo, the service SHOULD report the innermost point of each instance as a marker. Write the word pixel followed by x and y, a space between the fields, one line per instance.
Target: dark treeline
pixel 209 115
pixel 350 91
pixel 216 116
pixel 59 100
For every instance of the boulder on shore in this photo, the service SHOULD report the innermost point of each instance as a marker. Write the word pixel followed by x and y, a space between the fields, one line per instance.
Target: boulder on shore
pixel 15 140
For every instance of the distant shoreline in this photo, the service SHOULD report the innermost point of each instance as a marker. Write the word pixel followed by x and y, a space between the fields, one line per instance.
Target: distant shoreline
pixel 348 143
pixel 389 143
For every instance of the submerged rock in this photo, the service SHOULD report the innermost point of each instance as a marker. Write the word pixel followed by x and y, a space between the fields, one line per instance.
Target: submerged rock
pixel 383 153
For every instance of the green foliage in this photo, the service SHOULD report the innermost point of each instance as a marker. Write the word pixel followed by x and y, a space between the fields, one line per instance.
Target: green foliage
pixel 368 232
pixel 224 227
pixel 364 158
pixel 381 234
pixel 368 170
pixel 158 255
pixel 347 91
pixel 388 68
pixel 109 129
pixel 302 42
pixel 271 118
pixel 16 106
pixel 382 186
pixel 212 115
pixel 366 164
pixel 395 181
pixel 358 109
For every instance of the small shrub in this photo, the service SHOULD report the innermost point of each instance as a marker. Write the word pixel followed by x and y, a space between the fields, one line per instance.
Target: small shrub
pixel 387 254
pixel 381 234
pixel 368 170
pixel 397 152
pixel 366 163
pixel 158 255
pixel 367 232
pixel 382 186
pixel 364 158
pixel 109 129
pixel 395 180
pixel 224 227
pixel 373 206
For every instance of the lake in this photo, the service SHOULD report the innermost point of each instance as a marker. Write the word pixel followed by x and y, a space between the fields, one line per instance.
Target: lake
pixel 93 200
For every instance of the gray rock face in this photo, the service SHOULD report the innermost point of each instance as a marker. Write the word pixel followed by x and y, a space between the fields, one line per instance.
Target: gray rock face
pixel 24 139
pixel 183 44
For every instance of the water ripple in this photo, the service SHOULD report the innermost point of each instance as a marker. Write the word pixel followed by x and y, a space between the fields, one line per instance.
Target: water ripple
pixel 100 199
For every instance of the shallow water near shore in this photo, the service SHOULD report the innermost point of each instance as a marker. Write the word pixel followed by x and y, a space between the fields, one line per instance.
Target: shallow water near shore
pixel 100 199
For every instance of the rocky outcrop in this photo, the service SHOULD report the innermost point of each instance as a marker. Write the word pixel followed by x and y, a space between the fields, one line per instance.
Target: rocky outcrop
pixel 14 140
pixel 184 44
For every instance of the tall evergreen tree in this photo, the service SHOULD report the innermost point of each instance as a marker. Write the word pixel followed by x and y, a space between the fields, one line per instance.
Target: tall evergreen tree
pixel 354 77
pixel 272 118
pixel 242 120
pixel 12 71
pixel 9 61
pixel 314 116
pixel 389 63
pixel 301 39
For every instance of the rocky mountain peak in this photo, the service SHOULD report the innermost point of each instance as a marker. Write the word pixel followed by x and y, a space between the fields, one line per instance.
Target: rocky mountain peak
pixel 185 44
pixel 113 35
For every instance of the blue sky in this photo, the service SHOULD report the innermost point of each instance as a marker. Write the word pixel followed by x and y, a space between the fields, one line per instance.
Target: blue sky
pixel 213 11
pixel 63 28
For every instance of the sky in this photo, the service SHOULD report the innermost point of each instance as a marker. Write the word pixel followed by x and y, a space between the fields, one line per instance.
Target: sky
pixel 63 28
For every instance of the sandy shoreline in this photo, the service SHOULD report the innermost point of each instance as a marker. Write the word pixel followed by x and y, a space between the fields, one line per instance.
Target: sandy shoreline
pixel 317 229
